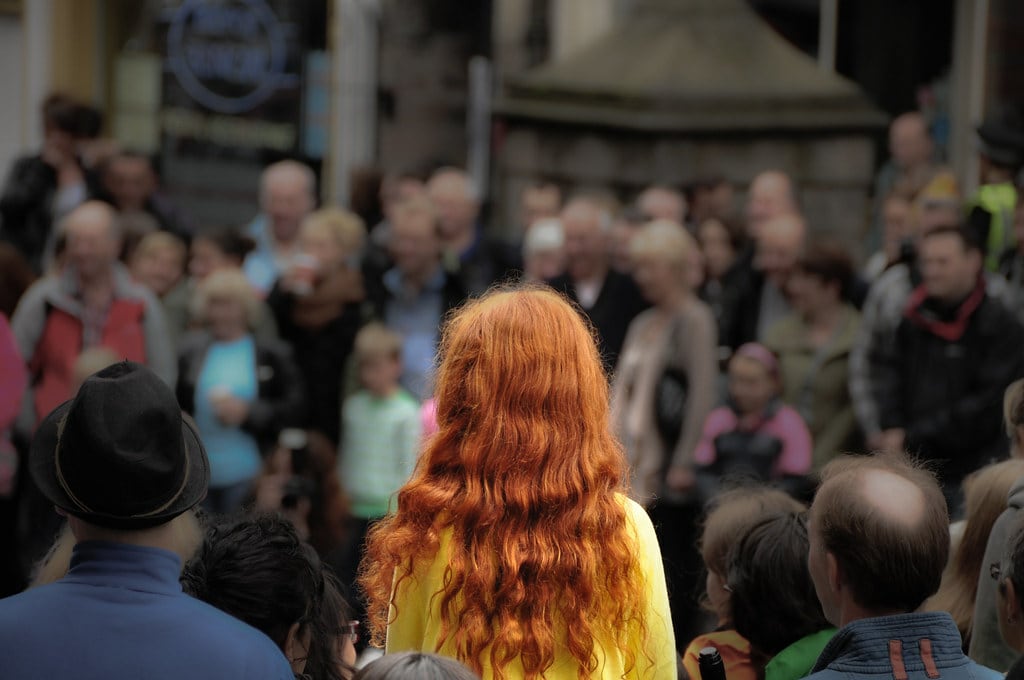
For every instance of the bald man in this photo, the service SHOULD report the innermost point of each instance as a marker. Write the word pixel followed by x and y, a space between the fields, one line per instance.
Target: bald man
pixel 771 195
pixel 287 196
pixel 911 164
pixel 92 303
pixel 879 540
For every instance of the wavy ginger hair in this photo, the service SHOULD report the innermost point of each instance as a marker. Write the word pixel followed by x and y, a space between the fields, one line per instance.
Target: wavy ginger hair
pixel 524 472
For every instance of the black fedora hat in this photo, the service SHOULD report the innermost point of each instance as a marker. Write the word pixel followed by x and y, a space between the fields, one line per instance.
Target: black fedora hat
pixel 120 454
pixel 1001 136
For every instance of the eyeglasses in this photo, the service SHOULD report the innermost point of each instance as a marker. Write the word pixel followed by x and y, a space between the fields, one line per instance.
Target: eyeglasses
pixel 995 571
pixel 351 631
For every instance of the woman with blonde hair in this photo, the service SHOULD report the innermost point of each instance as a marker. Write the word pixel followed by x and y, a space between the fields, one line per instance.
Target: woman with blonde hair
pixel 514 547
pixel 665 386
pixel 240 389
pixel 985 498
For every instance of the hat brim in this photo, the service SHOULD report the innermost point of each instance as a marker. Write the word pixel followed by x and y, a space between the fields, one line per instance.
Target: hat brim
pixel 43 467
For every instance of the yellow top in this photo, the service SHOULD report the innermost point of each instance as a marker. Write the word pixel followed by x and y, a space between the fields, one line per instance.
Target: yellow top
pixel 417 626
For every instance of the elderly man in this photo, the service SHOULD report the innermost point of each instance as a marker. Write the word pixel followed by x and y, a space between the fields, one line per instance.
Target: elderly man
pixel 92 303
pixel 125 467
pixel 879 539
pixel 287 196
pixel 608 298
pixel 478 261
pixel 659 202
pixel 771 195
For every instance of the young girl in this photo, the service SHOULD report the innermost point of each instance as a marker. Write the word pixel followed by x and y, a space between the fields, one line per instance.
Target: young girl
pixel 730 516
pixel 754 435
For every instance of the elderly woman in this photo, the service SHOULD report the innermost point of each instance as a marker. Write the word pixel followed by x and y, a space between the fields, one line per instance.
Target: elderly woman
pixel 240 390
pixel 316 304
pixel 813 345
pixel 665 385
pixel 513 548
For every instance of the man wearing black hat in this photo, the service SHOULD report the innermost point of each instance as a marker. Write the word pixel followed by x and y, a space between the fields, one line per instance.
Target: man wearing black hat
pixel 125 467
pixel 990 210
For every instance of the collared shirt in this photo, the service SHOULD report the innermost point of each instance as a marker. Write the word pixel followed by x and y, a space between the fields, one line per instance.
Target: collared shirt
pixel 120 613
pixel 416 316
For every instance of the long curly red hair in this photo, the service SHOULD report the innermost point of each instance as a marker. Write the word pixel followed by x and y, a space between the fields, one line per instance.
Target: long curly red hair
pixel 525 473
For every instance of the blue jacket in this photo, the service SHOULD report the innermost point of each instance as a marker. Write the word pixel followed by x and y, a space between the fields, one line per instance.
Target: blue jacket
pixel 923 646
pixel 120 613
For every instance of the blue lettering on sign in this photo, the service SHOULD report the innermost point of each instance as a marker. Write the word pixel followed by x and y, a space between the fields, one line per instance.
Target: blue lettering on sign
pixel 229 56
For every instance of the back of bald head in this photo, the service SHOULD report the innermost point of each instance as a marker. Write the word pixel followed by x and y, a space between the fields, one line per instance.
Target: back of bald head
pixel 884 519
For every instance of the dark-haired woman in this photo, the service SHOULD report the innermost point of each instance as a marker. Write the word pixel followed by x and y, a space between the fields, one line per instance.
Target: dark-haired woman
pixel 813 345
pixel 257 569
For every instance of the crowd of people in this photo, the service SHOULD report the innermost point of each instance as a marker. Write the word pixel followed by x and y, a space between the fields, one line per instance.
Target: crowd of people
pixel 620 433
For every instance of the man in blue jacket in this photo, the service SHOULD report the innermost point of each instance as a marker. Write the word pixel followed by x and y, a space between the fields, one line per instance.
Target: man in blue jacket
pixel 125 467
pixel 879 539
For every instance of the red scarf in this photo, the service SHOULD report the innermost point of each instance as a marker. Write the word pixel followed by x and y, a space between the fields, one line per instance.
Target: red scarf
pixel 953 330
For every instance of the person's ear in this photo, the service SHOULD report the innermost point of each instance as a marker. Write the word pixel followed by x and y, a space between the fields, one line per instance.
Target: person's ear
pixel 835 580
pixel 296 647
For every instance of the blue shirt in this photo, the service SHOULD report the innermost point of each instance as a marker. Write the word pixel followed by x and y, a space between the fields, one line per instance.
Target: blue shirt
pixel 120 613
pixel 262 266
pixel 234 454
pixel 416 316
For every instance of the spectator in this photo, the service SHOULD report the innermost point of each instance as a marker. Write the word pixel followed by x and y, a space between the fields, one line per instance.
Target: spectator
pixel 544 250
pixel 754 435
pixel 730 515
pixel 417 292
pixel 1007 575
pixel 539 200
pixel 91 303
pixel 381 422
pixel 130 183
pixel 813 345
pixel 664 387
pixel 990 210
pixel 911 165
pixel 158 263
pixel 676 334
pixel 42 188
pixel 241 391
pixel 609 299
pixel 660 202
pixel 216 250
pixel 13 381
pixel 287 195
pixel 299 481
pixel 897 234
pixel 415 666
pixel 771 195
pixel 316 305
pixel 985 498
pixel 954 353
pixel 1011 264
pixel 772 597
pixel 620 237
pixel 721 243
pixel 512 549
pixel 879 539
pixel 987 646
pixel 125 467
pixel 258 570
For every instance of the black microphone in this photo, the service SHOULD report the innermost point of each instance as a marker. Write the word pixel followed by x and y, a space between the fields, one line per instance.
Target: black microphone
pixel 710 663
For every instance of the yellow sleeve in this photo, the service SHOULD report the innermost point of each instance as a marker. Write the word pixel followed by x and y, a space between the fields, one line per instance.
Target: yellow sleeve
pixel 407 629
pixel 661 642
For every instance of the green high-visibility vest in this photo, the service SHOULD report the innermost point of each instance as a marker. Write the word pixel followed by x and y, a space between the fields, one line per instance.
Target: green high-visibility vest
pixel 999 201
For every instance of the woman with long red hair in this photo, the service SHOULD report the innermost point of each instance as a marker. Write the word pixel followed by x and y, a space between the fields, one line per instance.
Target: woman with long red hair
pixel 514 547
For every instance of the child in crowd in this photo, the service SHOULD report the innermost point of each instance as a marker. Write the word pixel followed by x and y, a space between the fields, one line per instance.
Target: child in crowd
pixel 381 429
pixel 730 516
pixel 754 435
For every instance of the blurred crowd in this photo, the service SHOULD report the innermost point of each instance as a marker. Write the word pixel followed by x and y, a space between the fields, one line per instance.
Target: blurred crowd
pixel 742 344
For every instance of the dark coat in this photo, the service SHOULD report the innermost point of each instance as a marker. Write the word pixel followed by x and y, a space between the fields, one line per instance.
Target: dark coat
pixel 279 395
pixel 947 395
pixel 616 306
